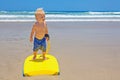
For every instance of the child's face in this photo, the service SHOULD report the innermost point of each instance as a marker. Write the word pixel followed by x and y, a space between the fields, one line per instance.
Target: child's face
pixel 40 17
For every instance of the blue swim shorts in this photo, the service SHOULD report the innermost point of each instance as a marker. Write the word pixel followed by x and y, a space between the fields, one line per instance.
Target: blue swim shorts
pixel 39 44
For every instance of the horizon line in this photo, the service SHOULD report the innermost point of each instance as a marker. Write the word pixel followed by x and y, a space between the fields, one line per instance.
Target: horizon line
pixel 64 10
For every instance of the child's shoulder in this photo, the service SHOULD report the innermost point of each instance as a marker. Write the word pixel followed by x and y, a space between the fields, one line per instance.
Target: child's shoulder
pixel 36 23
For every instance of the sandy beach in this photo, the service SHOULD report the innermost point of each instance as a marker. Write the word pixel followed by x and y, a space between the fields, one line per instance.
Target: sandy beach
pixel 85 50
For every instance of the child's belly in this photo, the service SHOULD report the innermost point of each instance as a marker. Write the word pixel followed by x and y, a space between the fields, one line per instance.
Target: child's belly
pixel 39 36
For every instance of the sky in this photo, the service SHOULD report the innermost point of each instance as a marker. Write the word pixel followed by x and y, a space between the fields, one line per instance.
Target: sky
pixel 60 5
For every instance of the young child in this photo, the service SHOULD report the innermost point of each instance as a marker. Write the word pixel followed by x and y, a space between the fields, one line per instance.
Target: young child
pixel 40 33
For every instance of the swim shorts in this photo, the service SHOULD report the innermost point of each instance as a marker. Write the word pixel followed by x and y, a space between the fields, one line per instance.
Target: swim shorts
pixel 39 44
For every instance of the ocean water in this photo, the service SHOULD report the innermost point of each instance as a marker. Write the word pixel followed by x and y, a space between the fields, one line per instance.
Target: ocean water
pixel 55 16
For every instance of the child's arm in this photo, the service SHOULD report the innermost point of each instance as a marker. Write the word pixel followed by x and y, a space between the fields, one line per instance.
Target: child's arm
pixel 32 33
pixel 46 31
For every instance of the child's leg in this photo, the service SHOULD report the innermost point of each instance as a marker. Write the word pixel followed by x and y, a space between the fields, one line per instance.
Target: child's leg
pixel 35 53
pixel 44 53
pixel 43 48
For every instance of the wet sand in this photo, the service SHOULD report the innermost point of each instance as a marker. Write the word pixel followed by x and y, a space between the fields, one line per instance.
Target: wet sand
pixel 85 50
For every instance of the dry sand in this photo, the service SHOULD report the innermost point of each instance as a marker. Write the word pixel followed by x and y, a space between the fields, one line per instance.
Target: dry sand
pixel 85 50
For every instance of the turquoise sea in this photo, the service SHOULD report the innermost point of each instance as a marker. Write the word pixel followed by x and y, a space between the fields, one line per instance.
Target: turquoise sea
pixel 55 16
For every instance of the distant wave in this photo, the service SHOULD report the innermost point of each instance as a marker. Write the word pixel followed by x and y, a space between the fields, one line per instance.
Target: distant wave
pixel 104 13
pixel 17 12
pixel 16 16
pixel 64 20
pixel 25 16
pixel 61 16
pixel 62 12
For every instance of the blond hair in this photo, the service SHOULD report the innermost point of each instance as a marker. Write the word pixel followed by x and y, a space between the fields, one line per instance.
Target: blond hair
pixel 39 11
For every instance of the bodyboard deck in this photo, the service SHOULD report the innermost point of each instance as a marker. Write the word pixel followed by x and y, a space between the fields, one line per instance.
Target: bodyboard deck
pixel 40 67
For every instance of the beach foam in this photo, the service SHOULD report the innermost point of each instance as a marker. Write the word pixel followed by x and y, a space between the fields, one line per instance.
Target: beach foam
pixel 25 16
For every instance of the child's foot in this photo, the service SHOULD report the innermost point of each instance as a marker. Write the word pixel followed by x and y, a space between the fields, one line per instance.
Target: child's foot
pixel 45 58
pixel 34 57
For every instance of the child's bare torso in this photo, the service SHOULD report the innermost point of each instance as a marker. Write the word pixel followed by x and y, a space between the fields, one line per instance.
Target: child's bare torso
pixel 39 30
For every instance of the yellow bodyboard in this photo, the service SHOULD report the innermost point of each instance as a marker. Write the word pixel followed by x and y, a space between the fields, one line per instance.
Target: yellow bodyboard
pixel 40 67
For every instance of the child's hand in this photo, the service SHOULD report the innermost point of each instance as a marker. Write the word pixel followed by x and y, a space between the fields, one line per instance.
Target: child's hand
pixel 31 39
pixel 47 37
